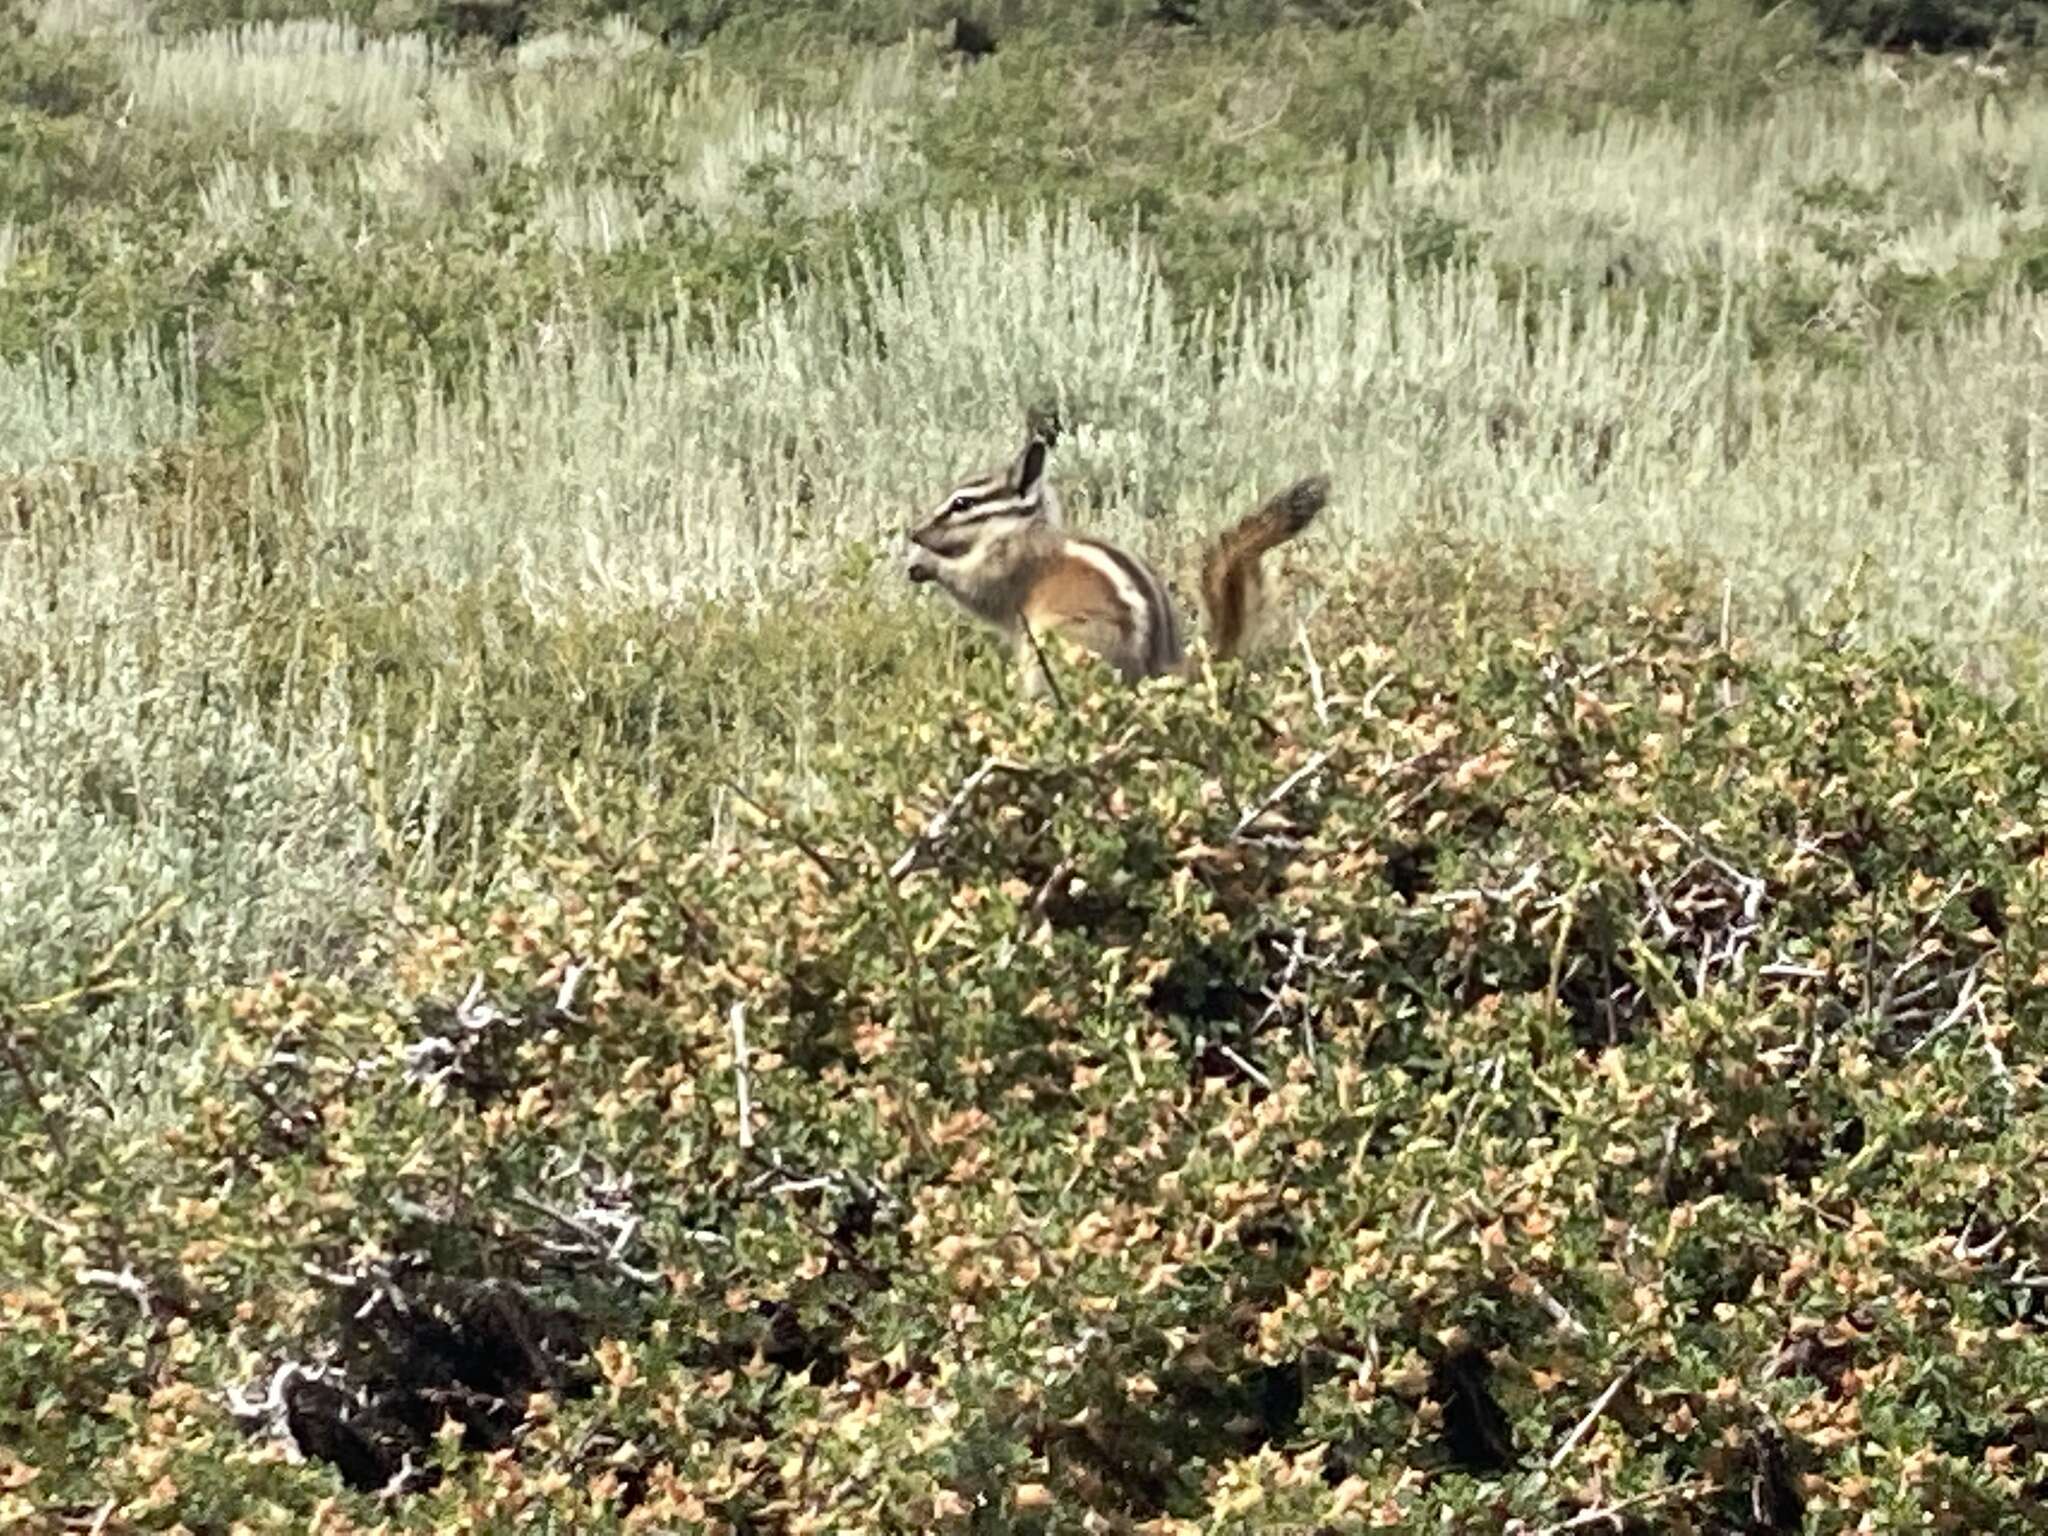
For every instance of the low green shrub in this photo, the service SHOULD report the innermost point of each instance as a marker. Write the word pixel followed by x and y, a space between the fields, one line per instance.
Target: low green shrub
pixel 1522 1055
pixel 1936 25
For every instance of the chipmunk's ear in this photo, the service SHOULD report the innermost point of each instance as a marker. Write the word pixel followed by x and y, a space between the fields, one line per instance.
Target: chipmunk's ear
pixel 1043 422
pixel 1027 475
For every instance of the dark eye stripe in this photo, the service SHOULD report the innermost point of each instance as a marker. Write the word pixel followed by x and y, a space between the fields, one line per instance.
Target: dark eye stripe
pixel 962 512
pixel 951 548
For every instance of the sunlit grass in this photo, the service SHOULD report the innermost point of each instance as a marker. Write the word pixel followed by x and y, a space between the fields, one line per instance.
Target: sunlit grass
pixel 68 404
pixel 1924 175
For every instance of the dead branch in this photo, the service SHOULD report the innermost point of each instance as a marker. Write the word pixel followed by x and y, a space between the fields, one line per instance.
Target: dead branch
pixel 936 829
pixel 1052 885
pixel 1966 1000
pixel 1315 675
pixel 594 1244
pixel 1250 1071
pixel 1524 883
pixel 1281 791
pixel 1610 1514
pixel 1045 670
pixel 1556 1309
pixel 802 844
pixel 123 1280
pixel 1584 1427
pixel 741 1088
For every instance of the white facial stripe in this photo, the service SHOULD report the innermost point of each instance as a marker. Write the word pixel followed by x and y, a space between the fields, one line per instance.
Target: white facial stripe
pixel 954 531
pixel 1009 506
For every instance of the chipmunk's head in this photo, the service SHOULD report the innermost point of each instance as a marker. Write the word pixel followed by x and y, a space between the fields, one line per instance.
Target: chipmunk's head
pixel 981 521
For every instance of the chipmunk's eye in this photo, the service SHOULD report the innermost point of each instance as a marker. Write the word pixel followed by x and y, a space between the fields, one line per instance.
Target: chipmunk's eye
pixel 959 504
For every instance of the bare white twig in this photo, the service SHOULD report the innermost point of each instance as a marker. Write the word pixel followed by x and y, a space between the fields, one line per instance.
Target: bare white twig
pixel 376 1280
pixel 741 1087
pixel 1479 1105
pixel 1751 887
pixel 1600 669
pixel 593 1242
pixel 1996 1057
pixel 803 1186
pixel 1281 791
pixel 1422 1216
pixel 433 1060
pixel 1315 675
pixel 124 1280
pixel 1524 883
pixel 1373 693
pixel 2023 1277
pixel 1610 1514
pixel 1585 1425
pixel 1557 1310
pixel 1246 1067
pixel 1668 1156
pixel 1657 908
pixel 401 1479
pixel 266 1409
pixel 1966 999
pixel 565 995
pixel 1053 885
pixel 940 824
pixel 1276 997
pixel 1970 1252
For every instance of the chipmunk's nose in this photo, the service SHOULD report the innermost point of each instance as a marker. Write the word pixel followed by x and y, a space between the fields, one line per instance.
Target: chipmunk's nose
pixel 917 563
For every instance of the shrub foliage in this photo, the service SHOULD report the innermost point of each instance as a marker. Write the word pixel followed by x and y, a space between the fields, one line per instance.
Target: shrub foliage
pixel 1557 1063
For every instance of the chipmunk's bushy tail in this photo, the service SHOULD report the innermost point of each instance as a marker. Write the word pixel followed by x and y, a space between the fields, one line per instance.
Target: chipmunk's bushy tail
pixel 1233 587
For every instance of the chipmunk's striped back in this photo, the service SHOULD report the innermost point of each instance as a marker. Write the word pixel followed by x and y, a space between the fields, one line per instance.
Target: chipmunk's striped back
pixel 997 547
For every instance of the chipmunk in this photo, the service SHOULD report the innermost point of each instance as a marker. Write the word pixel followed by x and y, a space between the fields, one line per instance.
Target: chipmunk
pixel 996 545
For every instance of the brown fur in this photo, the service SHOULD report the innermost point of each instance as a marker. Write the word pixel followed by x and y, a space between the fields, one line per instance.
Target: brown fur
pixel 1233 585
pixel 996 545
pixel 1071 596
